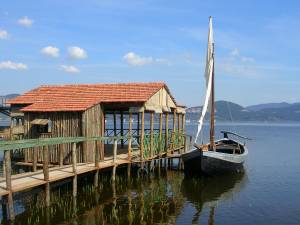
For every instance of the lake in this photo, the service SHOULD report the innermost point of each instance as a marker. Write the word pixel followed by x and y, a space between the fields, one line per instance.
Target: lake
pixel 267 193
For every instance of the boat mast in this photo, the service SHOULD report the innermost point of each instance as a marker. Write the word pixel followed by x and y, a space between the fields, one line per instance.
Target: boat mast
pixel 212 110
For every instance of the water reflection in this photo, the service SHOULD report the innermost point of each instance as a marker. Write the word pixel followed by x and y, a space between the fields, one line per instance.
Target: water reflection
pixel 153 199
pixel 206 192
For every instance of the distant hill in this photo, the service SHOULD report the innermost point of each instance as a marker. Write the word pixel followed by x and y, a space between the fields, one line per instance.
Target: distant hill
pixel 229 111
pixel 268 106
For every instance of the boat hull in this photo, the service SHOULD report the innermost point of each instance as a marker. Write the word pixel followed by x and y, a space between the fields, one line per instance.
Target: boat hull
pixel 197 162
pixel 211 166
pixel 192 162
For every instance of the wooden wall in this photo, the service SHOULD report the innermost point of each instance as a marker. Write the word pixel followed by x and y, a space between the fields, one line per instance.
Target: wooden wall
pixel 91 126
pixel 64 124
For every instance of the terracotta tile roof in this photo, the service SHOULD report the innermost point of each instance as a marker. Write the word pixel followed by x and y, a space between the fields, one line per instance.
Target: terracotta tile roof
pixel 83 96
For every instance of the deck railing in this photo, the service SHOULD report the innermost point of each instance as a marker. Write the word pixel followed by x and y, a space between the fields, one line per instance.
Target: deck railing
pixel 154 145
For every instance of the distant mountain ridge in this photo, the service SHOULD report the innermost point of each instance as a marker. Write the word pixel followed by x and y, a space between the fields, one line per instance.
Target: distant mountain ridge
pixel 268 106
pixel 229 111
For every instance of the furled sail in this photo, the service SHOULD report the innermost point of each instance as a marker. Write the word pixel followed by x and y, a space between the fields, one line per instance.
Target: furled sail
pixel 208 77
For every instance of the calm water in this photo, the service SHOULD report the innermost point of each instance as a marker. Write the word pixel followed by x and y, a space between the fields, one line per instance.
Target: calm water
pixel 267 193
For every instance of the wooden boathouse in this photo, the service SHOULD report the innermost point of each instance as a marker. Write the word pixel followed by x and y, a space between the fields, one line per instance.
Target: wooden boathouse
pixel 96 110
pixel 75 129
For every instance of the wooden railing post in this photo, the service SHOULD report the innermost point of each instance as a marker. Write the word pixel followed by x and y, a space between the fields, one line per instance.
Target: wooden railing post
pixel 46 163
pixel 46 174
pixel 115 146
pixel 97 159
pixel 35 158
pixel 61 154
pixel 97 155
pixel 74 165
pixel 7 162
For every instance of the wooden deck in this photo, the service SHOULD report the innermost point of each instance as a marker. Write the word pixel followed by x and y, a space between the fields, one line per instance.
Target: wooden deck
pixel 114 157
pixel 25 181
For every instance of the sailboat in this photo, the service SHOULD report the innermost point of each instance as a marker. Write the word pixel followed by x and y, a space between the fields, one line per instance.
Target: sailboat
pixel 217 156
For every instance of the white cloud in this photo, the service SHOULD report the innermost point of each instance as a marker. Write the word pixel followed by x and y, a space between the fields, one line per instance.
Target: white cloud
pixel 9 65
pixel 77 53
pixel 240 70
pixel 70 69
pixel 3 34
pixel 235 52
pixel 50 51
pixel 136 60
pixel 25 21
pixel 162 61
pixel 247 59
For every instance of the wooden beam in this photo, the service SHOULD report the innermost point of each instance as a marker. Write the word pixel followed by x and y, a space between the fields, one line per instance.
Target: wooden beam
pixel 96 155
pixel 46 174
pixel 142 136
pixel 138 127
pixel 160 130
pixel 130 138
pixel 35 158
pixel 61 154
pixel 183 123
pixel 174 128
pixel 115 123
pixel 166 131
pixel 74 158
pixel 115 146
pixel 122 128
pixel 7 161
pixel 102 134
pixel 151 133
pixel 46 163
pixel 74 163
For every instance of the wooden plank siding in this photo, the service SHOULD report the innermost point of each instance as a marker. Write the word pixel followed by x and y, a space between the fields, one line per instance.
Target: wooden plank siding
pixel 64 124
pixel 91 127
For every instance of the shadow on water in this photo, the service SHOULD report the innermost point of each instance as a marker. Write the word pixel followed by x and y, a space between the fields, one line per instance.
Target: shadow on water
pixel 152 199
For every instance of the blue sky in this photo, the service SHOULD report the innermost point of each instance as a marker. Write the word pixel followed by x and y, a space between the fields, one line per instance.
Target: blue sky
pixel 95 41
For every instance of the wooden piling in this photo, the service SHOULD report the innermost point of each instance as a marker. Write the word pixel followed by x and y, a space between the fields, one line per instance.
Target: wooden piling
pixel 115 146
pixel 47 194
pixel 129 136
pixel 9 185
pixel 46 174
pixel 74 165
pixel 46 163
pixel 97 158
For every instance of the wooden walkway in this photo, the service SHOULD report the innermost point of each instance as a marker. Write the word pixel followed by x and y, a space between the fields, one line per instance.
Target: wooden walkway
pixel 11 184
pixel 25 181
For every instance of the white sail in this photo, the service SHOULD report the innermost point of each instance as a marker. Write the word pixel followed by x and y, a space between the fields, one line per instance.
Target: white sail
pixel 208 77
